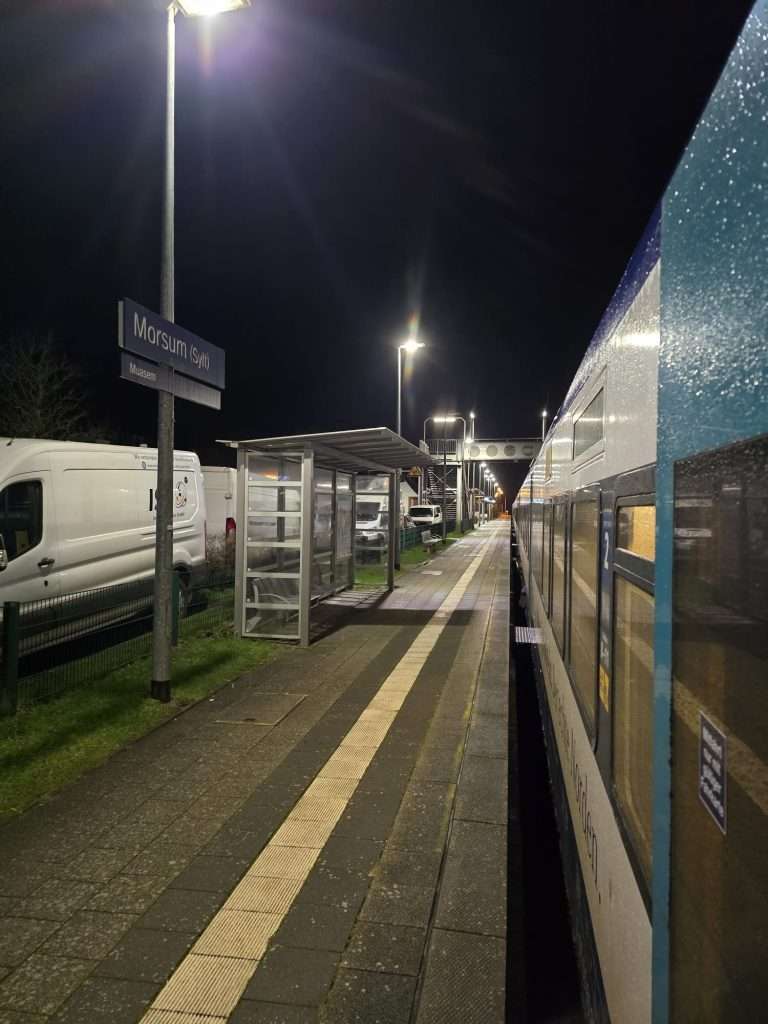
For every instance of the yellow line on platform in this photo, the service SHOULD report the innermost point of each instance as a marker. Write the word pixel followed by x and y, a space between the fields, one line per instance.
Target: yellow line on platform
pixel 208 983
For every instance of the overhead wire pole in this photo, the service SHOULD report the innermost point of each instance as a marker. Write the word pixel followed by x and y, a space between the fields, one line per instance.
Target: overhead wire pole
pixel 163 583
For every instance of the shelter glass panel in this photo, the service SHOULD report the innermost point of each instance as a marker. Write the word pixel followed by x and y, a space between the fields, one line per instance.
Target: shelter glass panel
pixel 274 499
pixel 269 529
pixel 265 469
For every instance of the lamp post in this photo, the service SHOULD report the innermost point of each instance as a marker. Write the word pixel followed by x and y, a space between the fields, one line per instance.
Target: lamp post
pixel 543 424
pixel 410 346
pixel 160 687
pixel 472 468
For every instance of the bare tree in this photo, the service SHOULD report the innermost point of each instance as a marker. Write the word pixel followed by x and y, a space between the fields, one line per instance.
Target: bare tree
pixel 42 392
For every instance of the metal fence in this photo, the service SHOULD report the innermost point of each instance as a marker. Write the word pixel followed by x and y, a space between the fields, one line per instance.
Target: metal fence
pixel 54 645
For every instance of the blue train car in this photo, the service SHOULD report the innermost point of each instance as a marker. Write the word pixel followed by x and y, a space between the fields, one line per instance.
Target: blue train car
pixel 643 539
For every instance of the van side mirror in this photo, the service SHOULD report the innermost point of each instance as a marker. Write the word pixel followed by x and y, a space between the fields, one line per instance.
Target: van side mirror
pixel 3 554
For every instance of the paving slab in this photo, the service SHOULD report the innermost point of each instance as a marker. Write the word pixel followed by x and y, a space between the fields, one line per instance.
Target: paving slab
pixel 146 954
pixel 106 1001
pixel 42 983
pixel 391 949
pixel 369 997
pixel 299 976
pixel 88 935
pixel 464 980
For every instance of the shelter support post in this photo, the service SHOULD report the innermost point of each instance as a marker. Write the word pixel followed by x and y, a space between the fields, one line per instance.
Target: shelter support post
pixel 394 526
pixel 307 519
pixel 241 536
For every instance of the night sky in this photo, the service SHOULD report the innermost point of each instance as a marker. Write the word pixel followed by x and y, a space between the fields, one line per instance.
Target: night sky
pixel 344 166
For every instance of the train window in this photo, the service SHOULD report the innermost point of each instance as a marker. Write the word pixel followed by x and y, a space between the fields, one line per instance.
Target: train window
pixel 536 540
pixel 588 428
pixel 636 530
pixel 719 856
pixel 547 532
pixel 558 573
pixel 633 713
pixel 583 621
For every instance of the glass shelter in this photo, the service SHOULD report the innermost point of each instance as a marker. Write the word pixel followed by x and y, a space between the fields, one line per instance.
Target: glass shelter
pixel 296 516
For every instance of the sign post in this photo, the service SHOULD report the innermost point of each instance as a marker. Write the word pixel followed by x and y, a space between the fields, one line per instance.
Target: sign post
pixel 182 366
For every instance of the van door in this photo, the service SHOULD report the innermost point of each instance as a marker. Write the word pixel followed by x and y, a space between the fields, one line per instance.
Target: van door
pixel 27 527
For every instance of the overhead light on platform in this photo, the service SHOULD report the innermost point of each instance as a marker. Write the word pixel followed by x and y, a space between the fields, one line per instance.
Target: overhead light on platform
pixel 412 345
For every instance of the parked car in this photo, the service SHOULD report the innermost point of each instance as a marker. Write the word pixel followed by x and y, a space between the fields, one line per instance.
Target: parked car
pixel 76 517
pixel 426 515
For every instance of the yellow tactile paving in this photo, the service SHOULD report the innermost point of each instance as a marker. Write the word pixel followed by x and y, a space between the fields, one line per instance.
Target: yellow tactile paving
pixel 239 933
pixel 348 763
pixel 172 1017
pixel 283 862
pixel 211 979
pixel 295 832
pixel 209 985
pixel 320 808
pixel 264 895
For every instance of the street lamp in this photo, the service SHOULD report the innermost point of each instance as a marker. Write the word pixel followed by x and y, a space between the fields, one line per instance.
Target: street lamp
pixel 160 687
pixel 410 346
pixel 543 424
pixel 472 418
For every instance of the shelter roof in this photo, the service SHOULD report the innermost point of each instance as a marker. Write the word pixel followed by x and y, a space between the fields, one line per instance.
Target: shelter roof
pixel 374 448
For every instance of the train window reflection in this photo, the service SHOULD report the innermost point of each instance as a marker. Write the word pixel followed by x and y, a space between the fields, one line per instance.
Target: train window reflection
pixel 588 428
pixel 545 556
pixel 633 713
pixel 636 530
pixel 719 861
pixel 583 624
pixel 558 574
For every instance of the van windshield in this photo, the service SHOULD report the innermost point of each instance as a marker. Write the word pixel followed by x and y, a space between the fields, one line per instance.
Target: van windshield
pixel 367 511
pixel 421 510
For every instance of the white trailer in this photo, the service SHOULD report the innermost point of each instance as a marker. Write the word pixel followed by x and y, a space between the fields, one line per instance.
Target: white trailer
pixel 220 495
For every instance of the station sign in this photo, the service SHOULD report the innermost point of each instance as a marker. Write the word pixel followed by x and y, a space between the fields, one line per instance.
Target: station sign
pixel 162 378
pixel 149 335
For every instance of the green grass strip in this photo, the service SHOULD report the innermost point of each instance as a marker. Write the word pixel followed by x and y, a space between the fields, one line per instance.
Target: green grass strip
pixel 50 744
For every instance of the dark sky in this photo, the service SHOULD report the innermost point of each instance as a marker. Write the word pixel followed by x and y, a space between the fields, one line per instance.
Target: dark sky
pixel 343 165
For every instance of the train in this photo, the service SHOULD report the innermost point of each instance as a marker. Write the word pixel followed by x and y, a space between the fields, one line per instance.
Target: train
pixel 642 545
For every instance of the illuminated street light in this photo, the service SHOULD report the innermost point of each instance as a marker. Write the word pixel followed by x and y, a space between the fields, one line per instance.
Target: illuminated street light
pixel 160 687
pixel 410 346
pixel 543 424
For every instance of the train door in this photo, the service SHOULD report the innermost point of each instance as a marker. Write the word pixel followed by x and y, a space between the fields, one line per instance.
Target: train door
pixel 719 855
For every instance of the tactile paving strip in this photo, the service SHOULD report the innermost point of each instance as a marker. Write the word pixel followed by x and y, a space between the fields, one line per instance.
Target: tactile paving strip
pixel 210 980
pixel 209 985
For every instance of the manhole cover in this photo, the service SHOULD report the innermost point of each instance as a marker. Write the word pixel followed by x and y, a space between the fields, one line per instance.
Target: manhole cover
pixel 262 708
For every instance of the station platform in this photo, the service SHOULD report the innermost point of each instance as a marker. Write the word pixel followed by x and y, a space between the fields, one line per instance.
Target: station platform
pixel 326 839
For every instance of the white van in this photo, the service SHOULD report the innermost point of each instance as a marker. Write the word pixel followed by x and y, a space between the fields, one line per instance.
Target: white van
pixel 220 495
pixel 75 517
pixel 426 515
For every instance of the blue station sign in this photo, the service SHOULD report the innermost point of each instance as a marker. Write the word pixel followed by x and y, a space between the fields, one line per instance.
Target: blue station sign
pixel 147 334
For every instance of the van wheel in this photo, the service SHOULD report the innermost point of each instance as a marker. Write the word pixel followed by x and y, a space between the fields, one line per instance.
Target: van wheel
pixel 184 592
